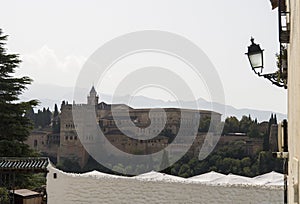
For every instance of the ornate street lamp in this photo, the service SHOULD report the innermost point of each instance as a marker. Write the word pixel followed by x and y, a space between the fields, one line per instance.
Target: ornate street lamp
pixel 279 77
pixel 255 53
pixel 256 59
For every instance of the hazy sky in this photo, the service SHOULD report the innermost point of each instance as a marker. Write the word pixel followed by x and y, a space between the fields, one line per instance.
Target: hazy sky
pixel 54 38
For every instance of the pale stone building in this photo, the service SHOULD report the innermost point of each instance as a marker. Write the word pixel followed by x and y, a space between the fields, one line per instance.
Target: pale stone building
pixel 294 102
pixel 45 142
pixel 139 124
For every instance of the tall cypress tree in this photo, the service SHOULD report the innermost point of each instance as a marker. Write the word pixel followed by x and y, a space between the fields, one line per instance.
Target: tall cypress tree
pixel 48 116
pixel 31 115
pixel 275 119
pixel 14 125
pixel 56 120
pixel 55 114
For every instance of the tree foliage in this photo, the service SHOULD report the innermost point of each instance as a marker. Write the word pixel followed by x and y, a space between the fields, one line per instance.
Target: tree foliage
pixel 231 125
pixel 56 120
pixel 43 118
pixel 14 125
pixel 248 126
pixel 231 158
pixel 245 124
pixel 204 124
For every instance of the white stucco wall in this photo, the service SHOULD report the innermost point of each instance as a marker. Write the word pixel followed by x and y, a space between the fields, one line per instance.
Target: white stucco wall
pixel 77 189
pixel 294 102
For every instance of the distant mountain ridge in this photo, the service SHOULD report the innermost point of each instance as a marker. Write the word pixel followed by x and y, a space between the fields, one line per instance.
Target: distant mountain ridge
pixel 48 95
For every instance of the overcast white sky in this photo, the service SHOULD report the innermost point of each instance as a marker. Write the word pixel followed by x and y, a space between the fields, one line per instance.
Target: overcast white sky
pixel 54 38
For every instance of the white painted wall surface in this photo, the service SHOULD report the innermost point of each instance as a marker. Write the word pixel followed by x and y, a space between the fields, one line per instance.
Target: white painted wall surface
pixel 294 103
pixel 78 189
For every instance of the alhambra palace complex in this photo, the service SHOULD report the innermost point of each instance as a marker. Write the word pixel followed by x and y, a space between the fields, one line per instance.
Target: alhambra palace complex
pixel 67 144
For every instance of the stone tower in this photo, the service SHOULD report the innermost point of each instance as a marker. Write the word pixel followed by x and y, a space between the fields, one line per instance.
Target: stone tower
pixel 70 145
pixel 93 98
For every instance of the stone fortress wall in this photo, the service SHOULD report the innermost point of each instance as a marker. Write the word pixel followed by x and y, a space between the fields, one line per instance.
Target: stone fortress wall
pixel 67 145
pixel 71 147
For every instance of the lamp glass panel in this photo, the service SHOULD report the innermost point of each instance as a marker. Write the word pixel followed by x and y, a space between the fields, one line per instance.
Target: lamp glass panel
pixel 256 60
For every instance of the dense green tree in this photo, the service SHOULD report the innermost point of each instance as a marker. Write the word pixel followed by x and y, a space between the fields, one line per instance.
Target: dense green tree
pixel 39 119
pixel 55 120
pixel 246 162
pixel 275 119
pixel 266 142
pixel 231 125
pixel 43 118
pixel 245 124
pixel 56 125
pixel 69 165
pixel 267 163
pixel 204 124
pixel 253 131
pixel 14 125
pixel 55 113
pixel 175 168
pixel 185 171
pixel 48 116
pixel 31 115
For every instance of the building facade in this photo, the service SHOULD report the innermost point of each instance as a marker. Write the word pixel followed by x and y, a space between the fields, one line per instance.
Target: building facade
pixel 294 102
pixel 164 124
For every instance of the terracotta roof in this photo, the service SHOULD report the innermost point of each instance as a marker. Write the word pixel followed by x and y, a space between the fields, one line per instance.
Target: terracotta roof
pixel 34 164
